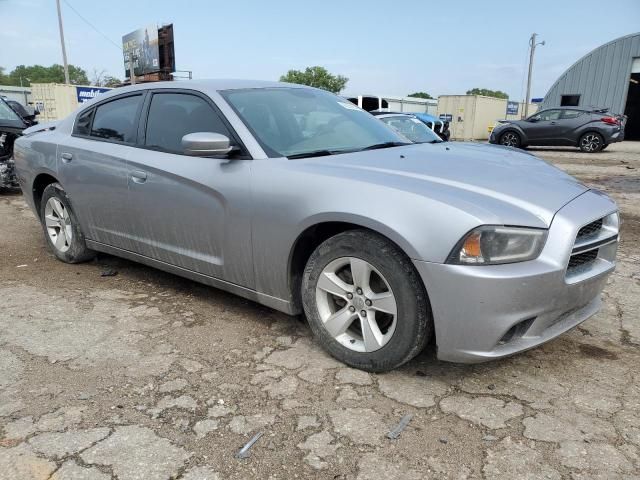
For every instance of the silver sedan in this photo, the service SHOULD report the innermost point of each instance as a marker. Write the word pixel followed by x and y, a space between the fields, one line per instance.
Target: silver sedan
pixel 298 200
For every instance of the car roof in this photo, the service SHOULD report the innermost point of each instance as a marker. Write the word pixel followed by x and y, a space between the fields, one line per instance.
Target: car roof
pixel 213 84
pixel 391 114
pixel 387 112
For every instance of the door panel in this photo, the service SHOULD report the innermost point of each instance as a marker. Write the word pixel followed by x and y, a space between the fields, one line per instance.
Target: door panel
pixel 95 177
pixel 193 213
pixel 543 131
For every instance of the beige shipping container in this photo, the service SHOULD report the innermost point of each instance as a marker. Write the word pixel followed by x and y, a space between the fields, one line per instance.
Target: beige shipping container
pixel 473 116
pixel 55 101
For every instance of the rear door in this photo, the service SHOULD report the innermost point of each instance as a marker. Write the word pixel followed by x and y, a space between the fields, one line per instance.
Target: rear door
pixel 92 167
pixel 543 130
pixel 571 120
pixel 191 212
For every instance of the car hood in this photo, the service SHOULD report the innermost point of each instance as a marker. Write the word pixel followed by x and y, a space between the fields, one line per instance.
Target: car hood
pixel 484 179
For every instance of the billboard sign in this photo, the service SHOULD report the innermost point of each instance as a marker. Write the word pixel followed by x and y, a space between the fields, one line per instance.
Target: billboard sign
pixel 140 49
pixel 84 94
pixel 512 108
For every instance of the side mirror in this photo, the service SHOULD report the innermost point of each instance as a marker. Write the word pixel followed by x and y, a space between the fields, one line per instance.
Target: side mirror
pixel 534 119
pixel 206 144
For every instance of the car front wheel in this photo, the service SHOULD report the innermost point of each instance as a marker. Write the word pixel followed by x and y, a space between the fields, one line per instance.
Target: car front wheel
pixel 61 228
pixel 591 142
pixel 510 139
pixel 365 302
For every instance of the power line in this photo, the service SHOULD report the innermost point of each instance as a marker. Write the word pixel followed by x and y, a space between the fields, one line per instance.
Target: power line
pixel 119 47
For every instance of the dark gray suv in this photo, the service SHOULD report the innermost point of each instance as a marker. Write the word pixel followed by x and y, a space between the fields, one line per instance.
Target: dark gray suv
pixel 589 129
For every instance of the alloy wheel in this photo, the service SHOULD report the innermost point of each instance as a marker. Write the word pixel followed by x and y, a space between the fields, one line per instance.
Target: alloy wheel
pixel 510 139
pixel 591 142
pixel 356 304
pixel 58 224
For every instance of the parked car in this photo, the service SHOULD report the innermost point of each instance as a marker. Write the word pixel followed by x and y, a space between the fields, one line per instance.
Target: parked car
pixel 409 127
pixel 590 129
pixel 299 200
pixel 439 126
pixel 11 127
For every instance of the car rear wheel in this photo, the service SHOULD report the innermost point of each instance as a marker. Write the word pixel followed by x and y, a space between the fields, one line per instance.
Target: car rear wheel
pixel 61 228
pixel 510 139
pixel 591 142
pixel 365 302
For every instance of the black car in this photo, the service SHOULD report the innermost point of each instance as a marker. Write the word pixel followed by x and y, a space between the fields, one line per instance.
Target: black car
pixel 12 124
pixel 590 129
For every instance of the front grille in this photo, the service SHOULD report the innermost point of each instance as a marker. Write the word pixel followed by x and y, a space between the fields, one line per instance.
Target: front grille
pixel 582 259
pixel 590 229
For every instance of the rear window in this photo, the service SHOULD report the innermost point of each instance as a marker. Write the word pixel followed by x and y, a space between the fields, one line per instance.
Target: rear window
pixel 571 113
pixel 116 120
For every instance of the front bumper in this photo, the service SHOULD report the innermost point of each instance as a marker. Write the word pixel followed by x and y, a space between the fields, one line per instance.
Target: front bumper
pixel 488 312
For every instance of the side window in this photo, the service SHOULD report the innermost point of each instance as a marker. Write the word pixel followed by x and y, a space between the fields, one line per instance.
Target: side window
pixel 174 115
pixel 83 123
pixel 116 120
pixel 550 115
pixel 568 114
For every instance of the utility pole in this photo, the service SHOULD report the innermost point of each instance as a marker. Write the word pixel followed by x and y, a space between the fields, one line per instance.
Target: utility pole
pixel 64 50
pixel 532 45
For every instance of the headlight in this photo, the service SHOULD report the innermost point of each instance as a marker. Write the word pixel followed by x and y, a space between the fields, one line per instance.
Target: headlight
pixel 494 244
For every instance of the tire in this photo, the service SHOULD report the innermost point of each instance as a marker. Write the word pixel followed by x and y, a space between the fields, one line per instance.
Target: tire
pixel 392 285
pixel 61 227
pixel 511 139
pixel 591 142
pixel 603 147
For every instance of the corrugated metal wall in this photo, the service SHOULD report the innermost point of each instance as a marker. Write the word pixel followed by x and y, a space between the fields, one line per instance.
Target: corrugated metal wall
pixel 601 77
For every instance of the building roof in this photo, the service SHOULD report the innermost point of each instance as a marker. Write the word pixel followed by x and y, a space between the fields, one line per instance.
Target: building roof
pixel 601 77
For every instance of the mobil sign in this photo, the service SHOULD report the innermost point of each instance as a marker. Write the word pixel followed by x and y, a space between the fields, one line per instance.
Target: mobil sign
pixel 84 94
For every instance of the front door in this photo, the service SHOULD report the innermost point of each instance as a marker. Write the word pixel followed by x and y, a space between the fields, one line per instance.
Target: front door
pixel 542 130
pixel 191 212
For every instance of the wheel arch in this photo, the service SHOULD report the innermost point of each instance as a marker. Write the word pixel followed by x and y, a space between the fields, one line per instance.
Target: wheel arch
pixel 517 130
pixel 317 230
pixel 40 182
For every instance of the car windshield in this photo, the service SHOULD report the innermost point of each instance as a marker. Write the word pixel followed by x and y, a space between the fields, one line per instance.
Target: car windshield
pixel 412 128
pixel 299 122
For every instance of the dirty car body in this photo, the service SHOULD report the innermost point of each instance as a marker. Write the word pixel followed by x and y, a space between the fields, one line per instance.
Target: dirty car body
pixel 510 251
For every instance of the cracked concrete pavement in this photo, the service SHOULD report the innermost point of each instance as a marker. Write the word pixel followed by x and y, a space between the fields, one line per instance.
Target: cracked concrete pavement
pixel 145 375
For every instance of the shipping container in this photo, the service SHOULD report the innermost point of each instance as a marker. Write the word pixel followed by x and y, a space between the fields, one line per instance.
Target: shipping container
pixel 55 101
pixel 473 116
pixel 19 94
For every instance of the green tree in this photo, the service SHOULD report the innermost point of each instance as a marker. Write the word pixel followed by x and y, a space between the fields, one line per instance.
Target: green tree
pixel 487 93
pixel 420 95
pixel 317 77
pixel 39 74
pixel 109 81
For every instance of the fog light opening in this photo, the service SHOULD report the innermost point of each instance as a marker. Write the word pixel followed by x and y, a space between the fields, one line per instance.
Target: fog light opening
pixel 517 331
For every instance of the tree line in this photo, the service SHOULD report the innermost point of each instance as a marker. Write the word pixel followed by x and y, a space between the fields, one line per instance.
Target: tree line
pixel 317 76
pixel 24 75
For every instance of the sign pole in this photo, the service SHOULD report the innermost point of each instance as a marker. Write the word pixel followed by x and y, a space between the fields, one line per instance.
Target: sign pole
pixel 64 50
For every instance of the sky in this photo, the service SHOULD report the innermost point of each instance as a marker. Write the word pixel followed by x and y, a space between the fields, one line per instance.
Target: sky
pixel 383 47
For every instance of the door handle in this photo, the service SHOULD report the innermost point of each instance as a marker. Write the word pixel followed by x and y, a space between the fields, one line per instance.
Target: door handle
pixel 138 176
pixel 553 123
pixel 66 157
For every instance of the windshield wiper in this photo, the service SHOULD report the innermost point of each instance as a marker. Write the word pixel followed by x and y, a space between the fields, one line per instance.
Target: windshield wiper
pixel 384 145
pixel 315 153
